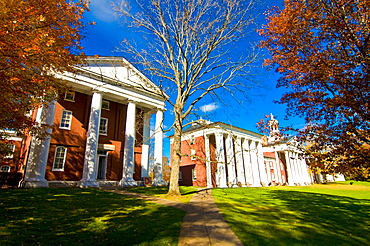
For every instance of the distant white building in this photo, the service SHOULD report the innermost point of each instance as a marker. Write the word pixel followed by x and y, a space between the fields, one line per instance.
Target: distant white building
pixel 221 155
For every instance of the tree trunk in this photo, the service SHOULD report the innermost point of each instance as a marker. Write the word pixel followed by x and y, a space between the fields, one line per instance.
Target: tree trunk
pixel 174 189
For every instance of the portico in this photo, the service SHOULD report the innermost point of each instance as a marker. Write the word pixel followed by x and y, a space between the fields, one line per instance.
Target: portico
pixel 221 155
pixel 231 155
pixel 134 101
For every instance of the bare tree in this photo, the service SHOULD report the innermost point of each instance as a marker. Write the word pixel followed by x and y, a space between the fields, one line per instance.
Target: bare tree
pixel 191 48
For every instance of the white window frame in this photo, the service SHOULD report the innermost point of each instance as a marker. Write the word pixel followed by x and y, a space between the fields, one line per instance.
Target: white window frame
pixel 60 155
pixel 7 167
pixel 194 174
pixel 192 139
pixel 105 105
pixel 66 119
pixel 193 152
pixel 70 92
pixel 12 147
pixel 105 130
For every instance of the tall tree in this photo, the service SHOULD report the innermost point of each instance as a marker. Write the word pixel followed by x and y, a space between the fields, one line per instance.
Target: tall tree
pixel 37 39
pixel 192 49
pixel 321 48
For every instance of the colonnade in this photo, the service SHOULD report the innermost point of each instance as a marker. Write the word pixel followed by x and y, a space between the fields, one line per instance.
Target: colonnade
pixel 38 156
pixel 239 160
pixel 296 168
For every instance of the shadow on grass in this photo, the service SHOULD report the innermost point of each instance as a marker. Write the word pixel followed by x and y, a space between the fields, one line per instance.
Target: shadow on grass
pixel 84 217
pixel 280 217
pixel 196 191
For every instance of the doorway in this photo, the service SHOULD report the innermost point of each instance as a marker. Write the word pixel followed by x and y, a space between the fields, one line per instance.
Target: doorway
pixel 102 165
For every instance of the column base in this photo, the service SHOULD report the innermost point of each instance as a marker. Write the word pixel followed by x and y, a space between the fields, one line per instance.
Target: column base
pixel 89 184
pixel 159 183
pixel 128 183
pixel 35 184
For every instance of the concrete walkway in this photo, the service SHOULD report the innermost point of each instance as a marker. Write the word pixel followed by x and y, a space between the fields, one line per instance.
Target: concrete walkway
pixel 203 223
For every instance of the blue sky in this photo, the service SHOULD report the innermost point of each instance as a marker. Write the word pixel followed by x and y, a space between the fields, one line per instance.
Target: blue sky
pixel 104 38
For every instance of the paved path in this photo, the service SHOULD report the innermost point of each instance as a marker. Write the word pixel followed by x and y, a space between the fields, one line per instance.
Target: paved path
pixel 203 223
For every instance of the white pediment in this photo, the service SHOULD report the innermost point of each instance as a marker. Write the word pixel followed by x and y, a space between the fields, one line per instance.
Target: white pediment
pixel 118 71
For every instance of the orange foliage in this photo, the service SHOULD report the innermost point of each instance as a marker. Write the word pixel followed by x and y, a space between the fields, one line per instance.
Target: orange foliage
pixel 321 48
pixel 37 39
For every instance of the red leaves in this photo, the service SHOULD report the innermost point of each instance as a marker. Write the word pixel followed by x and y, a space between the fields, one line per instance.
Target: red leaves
pixel 321 48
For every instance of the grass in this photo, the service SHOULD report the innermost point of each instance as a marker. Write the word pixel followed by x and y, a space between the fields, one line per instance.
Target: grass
pixel 330 214
pixel 187 192
pixel 65 216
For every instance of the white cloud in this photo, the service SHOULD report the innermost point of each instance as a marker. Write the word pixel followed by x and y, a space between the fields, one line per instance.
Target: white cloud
pixel 102 10
pixel 209 107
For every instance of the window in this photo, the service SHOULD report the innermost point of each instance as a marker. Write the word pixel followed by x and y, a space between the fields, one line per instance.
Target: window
pixel 59 158
pixel 105 105
pixel 192 153
pixel 65 122
pixel 12 148
pixel 194 174
pixel 192 139
pixel 70 96
pixel 103 130
pixel 5 169
pixel 180 176
pixel 271 165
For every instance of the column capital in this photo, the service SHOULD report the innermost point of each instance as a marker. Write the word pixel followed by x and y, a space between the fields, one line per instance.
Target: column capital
pixel 97 90
pixel 160 109
pixel 132 101
pixel 219 133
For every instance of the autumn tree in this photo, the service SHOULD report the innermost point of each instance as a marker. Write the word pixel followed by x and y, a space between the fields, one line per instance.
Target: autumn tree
pixel 321 48
pixel 38 38
pixel 192 50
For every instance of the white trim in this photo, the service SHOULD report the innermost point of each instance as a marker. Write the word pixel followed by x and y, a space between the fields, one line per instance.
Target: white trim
pixel 103 132
pixel 68 127
pixel 6 166
pixel 193 152
pixel 55 158
pixel 10 155
pixel 67 99
pixel 105 102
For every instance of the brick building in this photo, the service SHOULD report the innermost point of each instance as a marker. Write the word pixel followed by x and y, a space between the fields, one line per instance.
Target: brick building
pixel 100 129
pixel 221 155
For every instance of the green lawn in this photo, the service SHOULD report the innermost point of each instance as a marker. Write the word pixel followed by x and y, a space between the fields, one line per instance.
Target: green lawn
pixel 67 216
pixel 187 192
pixel 330 214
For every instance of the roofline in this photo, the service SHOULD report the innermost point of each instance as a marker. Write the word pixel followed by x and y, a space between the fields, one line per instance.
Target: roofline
pixel 119 59
pixel 213 124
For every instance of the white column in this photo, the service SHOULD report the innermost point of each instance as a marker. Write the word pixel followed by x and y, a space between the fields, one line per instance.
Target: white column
pixel 145 146
pixel 208 161
pixel 39 150
pixel 277 169
pixel 298 167
pixel 91 161
pixel 129 154
pixel 221 163
pixel 254 161
pixel 230 159
pixel 305 171
pixel 268 171
pixel 295 167
pixel 158 149
pixel 248 172
pixel 261 163
pixel 290 171
pixel 239 161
